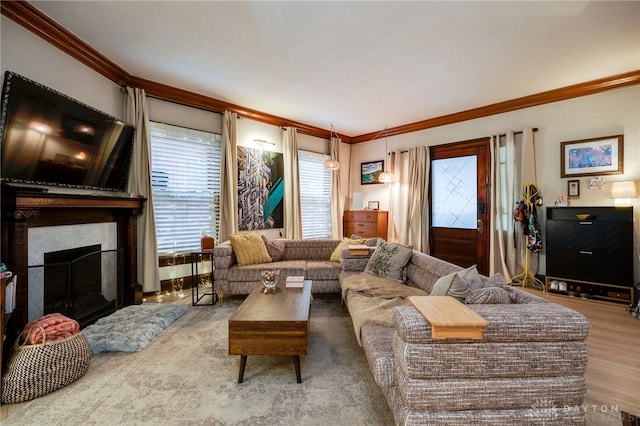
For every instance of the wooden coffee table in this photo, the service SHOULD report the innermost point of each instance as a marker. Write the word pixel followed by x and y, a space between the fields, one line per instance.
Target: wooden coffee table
pixel 271 324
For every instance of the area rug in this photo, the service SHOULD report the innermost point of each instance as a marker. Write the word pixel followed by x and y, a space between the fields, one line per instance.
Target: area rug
pixel 186 377
pixel 131 328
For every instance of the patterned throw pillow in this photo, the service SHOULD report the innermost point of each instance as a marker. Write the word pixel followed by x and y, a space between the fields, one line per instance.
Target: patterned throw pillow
pixel 388 261
pixel 249 248
pixel 274 248
pixel 336 256
pixel 496 280
pixel 488 295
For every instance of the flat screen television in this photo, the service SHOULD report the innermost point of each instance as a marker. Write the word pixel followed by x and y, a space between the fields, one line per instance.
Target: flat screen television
pixel 48 138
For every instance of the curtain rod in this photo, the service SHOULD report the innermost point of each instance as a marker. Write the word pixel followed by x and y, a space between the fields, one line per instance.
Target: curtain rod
pixel 535 129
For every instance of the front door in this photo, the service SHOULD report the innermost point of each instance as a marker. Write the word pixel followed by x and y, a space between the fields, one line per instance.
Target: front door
pixel 460 202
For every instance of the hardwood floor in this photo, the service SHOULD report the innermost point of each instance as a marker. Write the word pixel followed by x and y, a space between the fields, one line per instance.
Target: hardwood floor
pixel 613 370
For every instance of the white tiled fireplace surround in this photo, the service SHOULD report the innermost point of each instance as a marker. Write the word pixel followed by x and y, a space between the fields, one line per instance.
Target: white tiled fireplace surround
pixel 47 239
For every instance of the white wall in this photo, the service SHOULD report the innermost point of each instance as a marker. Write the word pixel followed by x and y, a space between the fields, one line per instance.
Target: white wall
pixel 605 114
pixel 32 57
pixel 184 116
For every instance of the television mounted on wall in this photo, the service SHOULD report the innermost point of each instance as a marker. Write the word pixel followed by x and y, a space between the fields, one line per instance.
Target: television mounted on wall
pixel 50 139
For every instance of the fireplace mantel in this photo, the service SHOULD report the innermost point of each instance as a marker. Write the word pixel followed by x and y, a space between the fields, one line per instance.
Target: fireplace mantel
pixel 22 210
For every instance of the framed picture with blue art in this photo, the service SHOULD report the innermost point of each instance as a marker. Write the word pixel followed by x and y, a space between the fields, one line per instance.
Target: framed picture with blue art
pixel 592 157
pixel 370 172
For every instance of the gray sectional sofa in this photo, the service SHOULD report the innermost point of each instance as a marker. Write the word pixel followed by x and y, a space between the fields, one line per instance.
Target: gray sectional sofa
pixel 528 369
pixel 309 258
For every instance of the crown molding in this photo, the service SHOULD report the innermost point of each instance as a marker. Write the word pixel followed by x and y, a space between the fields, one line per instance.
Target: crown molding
pixel 592 87
pixel 174 94
pixel 32 19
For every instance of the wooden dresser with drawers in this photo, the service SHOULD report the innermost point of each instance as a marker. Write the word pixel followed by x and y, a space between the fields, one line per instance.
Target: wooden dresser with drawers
pixel 365 223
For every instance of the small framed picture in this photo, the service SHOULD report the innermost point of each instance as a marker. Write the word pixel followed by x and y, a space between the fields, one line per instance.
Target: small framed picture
pixel 573 188
pixel 370 172
pixel 61 159
pixel 596 183
pixel 374 205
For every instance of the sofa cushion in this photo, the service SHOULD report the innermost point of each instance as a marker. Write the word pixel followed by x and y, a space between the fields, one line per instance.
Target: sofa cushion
pixel 388 261
pixel 424 270
pixel 322 270
pixel 471 276
pixel 489 295
pixel 275 248
pixel 336 256
pixel 377 343
pixel 451 285
pixel 253 272
pixel 249 248
pixel 309 249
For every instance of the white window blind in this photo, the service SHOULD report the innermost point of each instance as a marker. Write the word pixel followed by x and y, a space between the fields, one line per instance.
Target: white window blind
pixel 185 176
pixel 315 195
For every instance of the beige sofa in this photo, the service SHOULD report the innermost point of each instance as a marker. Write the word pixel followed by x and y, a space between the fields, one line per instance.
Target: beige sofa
pixel 528 368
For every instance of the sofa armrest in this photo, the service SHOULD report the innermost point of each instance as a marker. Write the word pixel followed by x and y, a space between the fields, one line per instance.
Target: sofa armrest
pixel 223 256
pixel 354 263
pixel 540 322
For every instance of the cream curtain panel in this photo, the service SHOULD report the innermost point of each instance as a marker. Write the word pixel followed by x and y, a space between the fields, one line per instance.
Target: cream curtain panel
pixel 513 166
pixel 337 206
pixel 140 183
pixel 409 213
pixel 229 181
pixel 292 210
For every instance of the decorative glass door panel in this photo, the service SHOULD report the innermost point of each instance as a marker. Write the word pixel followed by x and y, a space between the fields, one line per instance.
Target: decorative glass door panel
pixel 454 196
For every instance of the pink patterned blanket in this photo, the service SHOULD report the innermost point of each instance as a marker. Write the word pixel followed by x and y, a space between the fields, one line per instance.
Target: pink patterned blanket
pixel 49 328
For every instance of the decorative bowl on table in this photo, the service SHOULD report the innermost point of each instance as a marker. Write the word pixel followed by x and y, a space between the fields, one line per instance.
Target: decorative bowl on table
pixel 270 280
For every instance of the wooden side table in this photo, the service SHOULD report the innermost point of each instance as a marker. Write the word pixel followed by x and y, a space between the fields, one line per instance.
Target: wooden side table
pixel 449 318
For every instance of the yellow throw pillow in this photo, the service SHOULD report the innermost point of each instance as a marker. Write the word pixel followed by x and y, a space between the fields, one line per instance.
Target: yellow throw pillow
pixel 249 248
pixel 336 255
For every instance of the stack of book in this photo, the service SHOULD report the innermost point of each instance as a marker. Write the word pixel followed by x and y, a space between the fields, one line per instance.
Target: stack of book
pixel 295 281
pixel 358 249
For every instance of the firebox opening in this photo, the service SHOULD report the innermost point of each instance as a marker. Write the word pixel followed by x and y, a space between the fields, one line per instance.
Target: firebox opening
pixel 74 284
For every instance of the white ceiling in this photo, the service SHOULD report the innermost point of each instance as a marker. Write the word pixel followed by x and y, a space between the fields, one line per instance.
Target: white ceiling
pixel 360 65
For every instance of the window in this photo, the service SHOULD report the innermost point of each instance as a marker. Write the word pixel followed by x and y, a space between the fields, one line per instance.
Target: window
pixel 454 184
pixel 315 195
pixel 185 176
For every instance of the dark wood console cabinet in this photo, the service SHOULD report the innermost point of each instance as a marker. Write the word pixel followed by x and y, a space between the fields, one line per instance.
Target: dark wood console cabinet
pixel 365 223
pixel 594 256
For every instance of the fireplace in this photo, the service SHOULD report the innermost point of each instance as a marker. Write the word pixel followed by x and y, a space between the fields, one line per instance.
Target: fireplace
pixel 35 223
pixel 82 282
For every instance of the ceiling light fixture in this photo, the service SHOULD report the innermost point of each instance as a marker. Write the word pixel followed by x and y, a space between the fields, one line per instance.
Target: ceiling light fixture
pixel 386 176
pixel 332 164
